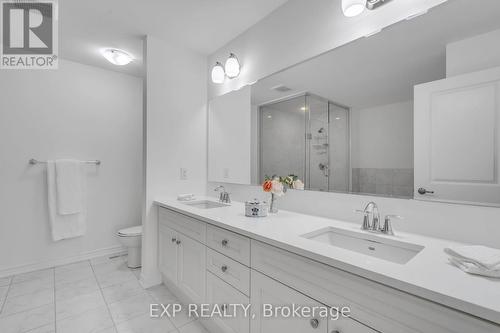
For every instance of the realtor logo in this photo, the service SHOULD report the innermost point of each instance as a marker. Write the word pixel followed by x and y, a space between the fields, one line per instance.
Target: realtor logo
pixel 28 34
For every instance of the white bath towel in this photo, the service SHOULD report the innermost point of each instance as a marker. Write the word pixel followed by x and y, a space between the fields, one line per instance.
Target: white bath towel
pixel 67 225
pixel 485 257
pixel 69 178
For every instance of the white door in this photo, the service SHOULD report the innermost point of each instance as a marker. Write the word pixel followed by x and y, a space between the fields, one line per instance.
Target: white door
pixel 264 291
pixel 224 295
pixel 168 253
pixel 457 139
pixel 191 275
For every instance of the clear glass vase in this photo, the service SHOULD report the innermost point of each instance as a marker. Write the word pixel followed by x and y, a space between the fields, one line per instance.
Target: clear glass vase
pixel 273 206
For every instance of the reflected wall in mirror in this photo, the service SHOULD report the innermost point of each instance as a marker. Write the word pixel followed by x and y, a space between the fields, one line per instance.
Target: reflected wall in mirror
pixel 395 114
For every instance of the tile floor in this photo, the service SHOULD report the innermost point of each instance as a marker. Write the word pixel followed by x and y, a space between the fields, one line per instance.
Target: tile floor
pixel 93 296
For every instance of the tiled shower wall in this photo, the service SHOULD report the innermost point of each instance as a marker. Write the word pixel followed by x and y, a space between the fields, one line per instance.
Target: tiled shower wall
pixel 387 182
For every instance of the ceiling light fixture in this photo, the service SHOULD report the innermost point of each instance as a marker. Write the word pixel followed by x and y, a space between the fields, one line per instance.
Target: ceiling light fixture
pixel 232 66
pixel 352 8
pixel 218 74
pixel 117 57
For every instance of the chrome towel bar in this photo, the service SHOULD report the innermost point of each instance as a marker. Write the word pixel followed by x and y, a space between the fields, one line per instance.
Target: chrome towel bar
pixel 35 161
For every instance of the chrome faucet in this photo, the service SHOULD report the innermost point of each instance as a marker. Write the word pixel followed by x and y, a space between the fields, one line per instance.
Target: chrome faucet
pixel 371 210
pixel 373 225
pixel 223 196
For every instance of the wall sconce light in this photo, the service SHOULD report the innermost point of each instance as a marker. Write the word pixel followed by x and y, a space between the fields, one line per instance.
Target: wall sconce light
pixel 232 66
pixel 231 69
pixel 352 8
pixel 218 74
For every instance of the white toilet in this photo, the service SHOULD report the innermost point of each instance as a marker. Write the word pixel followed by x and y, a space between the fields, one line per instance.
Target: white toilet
pixel 131 238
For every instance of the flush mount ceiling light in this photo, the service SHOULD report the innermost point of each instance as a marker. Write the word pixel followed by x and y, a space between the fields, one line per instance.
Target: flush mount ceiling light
pixel 352 8
pixel 232 66
pixel 218 74
pixel 117 57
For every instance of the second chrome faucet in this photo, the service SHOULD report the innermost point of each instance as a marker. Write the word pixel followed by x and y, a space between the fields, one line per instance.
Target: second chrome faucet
pixel 371 220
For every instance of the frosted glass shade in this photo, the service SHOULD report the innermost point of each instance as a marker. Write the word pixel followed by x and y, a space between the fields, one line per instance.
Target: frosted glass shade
pixel 218 74
pixel 232 66
pixel 352 8
pixel 117 57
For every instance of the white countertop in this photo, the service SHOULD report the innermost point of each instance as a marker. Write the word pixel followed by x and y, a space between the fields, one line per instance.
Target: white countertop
pixel 427 275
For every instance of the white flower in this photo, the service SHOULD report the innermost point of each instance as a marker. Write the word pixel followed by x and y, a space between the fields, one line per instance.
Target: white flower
pixel 277 188
pixel 298 184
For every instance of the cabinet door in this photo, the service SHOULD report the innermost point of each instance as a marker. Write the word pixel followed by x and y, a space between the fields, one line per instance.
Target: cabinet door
pixel 347 325
pixel 221 293
pixel 167 255
pixel 457 139
pixel 191 267
pixel 266 291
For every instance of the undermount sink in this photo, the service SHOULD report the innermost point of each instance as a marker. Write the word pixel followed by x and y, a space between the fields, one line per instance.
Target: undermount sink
pixel 205 204
pixel 387 249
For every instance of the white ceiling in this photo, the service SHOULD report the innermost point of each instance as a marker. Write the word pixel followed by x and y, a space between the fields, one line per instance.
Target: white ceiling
pixel 383 68
pixel 85 26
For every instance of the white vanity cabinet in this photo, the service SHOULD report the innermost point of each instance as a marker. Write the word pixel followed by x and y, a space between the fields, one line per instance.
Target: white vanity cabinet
pixel 266 291
pixel 167 255
pixel 182 259
pixel 221 293
pixel 191 275
pixel 209 264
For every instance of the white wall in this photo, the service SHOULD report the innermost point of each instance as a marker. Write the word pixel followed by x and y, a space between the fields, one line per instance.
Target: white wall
pixel 229 144
pixel 382 136
pixel 79 112
pixel 176 134
pixel 473 54
pixel 298 31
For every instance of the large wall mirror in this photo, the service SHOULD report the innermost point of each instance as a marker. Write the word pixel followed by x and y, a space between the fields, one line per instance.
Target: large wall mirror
pixel 412 111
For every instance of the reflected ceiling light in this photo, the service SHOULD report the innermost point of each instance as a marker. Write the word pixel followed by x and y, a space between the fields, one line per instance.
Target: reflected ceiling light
pixel 117 57
pixel 232 66
pixel 352 8
pixel 218 74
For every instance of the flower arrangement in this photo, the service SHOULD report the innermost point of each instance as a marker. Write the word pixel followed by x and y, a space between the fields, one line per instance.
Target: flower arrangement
pixel 277 186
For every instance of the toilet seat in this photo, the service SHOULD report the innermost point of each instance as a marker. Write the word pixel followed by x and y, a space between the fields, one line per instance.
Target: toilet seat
pixel 131 232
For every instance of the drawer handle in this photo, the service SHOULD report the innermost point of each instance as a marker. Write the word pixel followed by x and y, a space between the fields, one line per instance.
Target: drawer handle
pixel 336 331
pixel 223 269
pixel 174 240
pixel 178 242
pixel 224 242
pixel 314 323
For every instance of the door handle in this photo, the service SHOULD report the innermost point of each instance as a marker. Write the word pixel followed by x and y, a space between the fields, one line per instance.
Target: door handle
pixel 423 191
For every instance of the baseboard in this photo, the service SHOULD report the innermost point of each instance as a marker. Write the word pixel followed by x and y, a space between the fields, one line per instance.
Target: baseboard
pixel 114 250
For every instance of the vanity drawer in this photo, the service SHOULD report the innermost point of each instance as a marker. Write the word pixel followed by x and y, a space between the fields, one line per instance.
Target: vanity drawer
pixel 229 243
pixel 375 305
pixel 184 224
pixel 231 271
pixel 219 292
